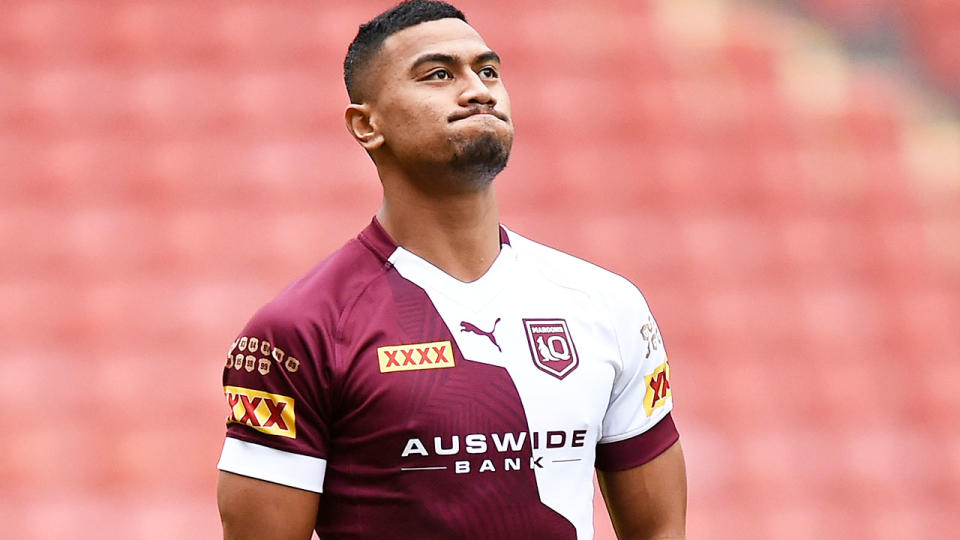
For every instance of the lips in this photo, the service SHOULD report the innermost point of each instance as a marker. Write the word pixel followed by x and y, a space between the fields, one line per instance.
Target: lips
pixel 475 111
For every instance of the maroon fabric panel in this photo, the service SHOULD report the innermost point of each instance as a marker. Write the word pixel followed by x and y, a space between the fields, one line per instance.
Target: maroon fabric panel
pixel 333 320
pixel 633 452
pixel 367 492
pixel 378 240
pixel 299 325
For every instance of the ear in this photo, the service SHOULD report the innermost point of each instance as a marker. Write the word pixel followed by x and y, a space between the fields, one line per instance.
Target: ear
pixel 363 127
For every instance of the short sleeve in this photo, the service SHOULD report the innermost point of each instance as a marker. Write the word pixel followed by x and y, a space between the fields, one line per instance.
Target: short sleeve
pixel 637 426
pixel 276 388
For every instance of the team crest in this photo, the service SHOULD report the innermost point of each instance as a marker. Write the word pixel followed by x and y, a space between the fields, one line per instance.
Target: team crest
pixel 551 346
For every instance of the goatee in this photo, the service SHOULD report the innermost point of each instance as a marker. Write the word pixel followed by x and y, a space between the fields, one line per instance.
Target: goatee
pixel 481 158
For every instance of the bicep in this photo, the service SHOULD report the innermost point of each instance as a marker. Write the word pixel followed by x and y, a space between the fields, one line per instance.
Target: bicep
pixel 649 501
pixel 255 509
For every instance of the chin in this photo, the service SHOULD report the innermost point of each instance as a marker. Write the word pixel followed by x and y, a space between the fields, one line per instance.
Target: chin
pixel 483 156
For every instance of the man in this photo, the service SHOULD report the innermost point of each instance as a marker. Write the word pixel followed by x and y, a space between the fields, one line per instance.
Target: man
pixel 441 376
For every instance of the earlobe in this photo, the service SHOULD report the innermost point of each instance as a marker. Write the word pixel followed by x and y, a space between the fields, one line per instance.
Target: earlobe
pixel 363 127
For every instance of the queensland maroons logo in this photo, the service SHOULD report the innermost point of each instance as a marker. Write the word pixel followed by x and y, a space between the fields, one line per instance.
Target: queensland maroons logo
pixel 551 346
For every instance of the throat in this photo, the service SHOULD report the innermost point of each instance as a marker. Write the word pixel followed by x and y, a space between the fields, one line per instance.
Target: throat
pixel 461 259
pixel 461 241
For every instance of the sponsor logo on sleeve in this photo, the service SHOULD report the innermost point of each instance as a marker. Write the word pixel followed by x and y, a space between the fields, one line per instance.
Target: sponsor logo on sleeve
pixel 658 388
pixel 272 414
pixel 418 356
pixel 551 346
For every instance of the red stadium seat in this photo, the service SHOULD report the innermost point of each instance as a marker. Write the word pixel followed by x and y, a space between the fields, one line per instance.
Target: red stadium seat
pixel 169 166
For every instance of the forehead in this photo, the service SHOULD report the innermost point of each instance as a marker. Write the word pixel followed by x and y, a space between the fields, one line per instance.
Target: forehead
pixel 448 36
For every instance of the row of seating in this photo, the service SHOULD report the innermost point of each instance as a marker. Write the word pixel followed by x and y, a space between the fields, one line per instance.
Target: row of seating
pixel 927 30
pixel 791 216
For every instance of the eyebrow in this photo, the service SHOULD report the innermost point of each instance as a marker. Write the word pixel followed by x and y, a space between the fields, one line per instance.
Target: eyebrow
pixel 449 59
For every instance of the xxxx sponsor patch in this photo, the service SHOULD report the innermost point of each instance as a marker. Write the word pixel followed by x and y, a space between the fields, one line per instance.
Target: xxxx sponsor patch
pixel 417 356
pixel 658 388
pixel 270 413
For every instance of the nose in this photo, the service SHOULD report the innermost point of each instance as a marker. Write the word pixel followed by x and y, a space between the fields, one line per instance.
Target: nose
pixel 476 92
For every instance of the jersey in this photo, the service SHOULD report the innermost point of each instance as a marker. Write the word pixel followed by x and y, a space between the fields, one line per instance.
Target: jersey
pixel 420 406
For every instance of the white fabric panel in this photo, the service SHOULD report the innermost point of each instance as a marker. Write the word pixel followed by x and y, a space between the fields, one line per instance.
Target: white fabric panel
pixel 272 465
pixel 626 416
pixel 530 281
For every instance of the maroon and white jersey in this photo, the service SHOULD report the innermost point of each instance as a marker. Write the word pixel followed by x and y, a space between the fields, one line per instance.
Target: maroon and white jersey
pixel 421 406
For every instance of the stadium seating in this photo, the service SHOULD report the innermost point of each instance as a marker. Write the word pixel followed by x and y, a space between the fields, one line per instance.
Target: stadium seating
pixel 792 215
pixel 930 30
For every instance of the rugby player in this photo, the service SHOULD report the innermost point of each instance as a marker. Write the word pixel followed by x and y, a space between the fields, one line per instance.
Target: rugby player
pixel 441 376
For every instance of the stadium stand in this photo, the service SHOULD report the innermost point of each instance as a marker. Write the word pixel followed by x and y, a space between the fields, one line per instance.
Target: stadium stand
pixel 792 214
pixel 929 29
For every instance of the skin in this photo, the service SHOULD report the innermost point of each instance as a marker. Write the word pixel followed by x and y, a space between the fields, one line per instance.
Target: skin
pixel 415 119
pixel 650 501
pixel 252 509
pixel 433 210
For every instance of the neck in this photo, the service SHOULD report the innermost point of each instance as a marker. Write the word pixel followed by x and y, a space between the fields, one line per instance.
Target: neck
pixel 456 232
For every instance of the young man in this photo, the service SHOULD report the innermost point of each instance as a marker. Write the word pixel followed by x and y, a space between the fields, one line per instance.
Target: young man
pixel 441 376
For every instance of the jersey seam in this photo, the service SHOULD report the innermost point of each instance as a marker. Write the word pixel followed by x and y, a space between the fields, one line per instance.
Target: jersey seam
pixel 244 437
pixel 348 308
pixel 457 297
pixel 589 295
pixel 621 361
pixel 631 434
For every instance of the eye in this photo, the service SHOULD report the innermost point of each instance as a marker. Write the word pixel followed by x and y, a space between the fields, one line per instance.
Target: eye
pixel 489 73
pixel 439 75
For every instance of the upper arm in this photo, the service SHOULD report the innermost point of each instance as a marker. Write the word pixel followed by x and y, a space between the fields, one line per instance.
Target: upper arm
pixel 255 509
pixel 273 462
pixel 640 397
pixel 648 501
pixel 639 461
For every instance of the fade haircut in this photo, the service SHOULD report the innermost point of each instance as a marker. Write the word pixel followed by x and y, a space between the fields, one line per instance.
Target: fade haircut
pixel 372 34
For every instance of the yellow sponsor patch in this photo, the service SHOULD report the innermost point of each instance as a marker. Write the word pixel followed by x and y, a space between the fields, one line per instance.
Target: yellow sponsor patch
pixel 436 355
pixel 270 413
pixel 658 388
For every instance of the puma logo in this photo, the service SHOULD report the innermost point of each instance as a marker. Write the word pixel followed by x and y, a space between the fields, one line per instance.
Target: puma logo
pixel 470 327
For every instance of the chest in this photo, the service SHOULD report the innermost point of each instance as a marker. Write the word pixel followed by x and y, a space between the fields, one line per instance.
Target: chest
pixel 531 360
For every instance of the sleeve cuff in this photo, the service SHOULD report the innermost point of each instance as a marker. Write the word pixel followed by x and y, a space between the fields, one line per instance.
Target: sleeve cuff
pixel 265 463
pixel 635 451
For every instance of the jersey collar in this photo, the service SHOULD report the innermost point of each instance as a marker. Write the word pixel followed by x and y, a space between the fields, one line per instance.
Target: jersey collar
pixel 432 279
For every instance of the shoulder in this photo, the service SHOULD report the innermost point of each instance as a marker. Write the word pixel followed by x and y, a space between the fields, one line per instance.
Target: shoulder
pixel 318 298
pixel 574 273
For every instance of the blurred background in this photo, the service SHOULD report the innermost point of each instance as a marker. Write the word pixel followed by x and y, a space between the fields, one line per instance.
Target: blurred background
pixel 782 179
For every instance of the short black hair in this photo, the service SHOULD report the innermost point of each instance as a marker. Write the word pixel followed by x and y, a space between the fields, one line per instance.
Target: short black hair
pixel 373 33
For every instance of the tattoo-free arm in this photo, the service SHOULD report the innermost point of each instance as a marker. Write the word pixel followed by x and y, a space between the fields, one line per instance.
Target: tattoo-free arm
pixel 254 509
pixel 648 502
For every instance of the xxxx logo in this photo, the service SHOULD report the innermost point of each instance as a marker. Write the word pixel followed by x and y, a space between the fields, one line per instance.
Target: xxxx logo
pixel 435 355
pixel 658 388
pixel 270 413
